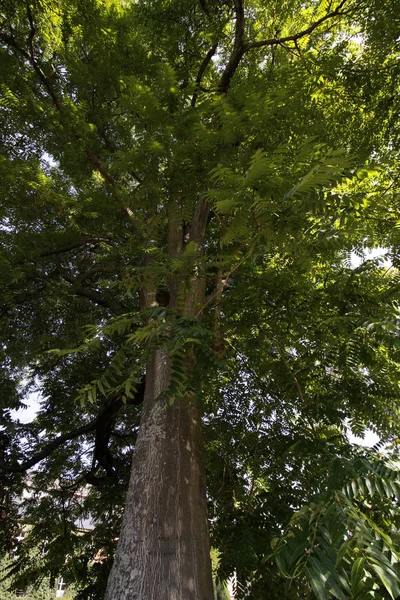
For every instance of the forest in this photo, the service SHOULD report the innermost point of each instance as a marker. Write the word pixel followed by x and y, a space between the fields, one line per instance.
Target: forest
pixel 199 298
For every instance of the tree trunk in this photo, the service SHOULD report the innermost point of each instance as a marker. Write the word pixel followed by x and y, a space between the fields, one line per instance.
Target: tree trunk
pixel 163 551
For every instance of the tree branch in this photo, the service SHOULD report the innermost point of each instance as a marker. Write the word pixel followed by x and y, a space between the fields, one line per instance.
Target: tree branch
pixel 297 36
pixel 46 450
pixel 239 49
pixel 199 221
pixel 103 425
pixel 94 271
pixel 204 7
pixel 30 58
pixel 224 283
pixel 85 242
pixel 202 69
pixel 9 40
pixel 90 294
pixel 94 159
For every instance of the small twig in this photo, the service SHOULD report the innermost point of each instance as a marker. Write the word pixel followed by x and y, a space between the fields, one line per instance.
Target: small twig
pixel 292 374
pixel 295 381
pixel 224 283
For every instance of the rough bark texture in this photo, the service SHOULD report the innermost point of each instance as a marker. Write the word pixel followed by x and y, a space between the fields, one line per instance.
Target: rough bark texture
pixel 164 552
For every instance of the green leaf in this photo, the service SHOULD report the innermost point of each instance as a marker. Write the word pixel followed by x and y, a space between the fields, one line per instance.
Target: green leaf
pixel 357 575
pixel 388 578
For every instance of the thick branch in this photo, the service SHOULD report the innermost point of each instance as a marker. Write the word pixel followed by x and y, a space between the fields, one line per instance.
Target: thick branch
pixel 85 242
pixel 103 425
pixel 94 271
pixel 47 449
pixel 29 57
pixel 200 220
pixel 300 34
pixel 94 159
pixel 239 49
pixel 202 69
pixel 90 294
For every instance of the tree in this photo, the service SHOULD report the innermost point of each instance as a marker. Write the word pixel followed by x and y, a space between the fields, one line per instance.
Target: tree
pixel 175 175
pixel 44 592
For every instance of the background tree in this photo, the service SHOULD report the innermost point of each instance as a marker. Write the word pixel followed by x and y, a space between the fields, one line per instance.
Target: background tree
pixel 183 184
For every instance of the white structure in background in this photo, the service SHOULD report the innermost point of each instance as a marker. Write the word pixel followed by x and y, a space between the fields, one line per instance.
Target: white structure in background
pixel 83 523
pixel 61 587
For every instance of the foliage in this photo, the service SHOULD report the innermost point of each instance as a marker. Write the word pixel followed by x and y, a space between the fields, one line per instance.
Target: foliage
pixel 42 591
pixel 117 120
pixel 340 542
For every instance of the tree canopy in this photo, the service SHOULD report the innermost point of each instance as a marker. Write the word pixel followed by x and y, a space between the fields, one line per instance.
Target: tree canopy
pixel 247 148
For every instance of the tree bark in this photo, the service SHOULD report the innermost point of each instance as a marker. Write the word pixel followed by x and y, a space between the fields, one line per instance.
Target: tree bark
pixel 163 551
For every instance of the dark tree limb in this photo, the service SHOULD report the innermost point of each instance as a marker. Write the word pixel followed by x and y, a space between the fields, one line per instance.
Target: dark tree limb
pixel 94 271
pixel 103 425
pixel 241 47
pixel 297 36
pixel 46 450
pixel 201 72
pixel 90 241
pixel 100 482
pixel 99 166
pixel 200 221
pixel 238 51
pixel 204 7
pixel 90 294
pixel 10 41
